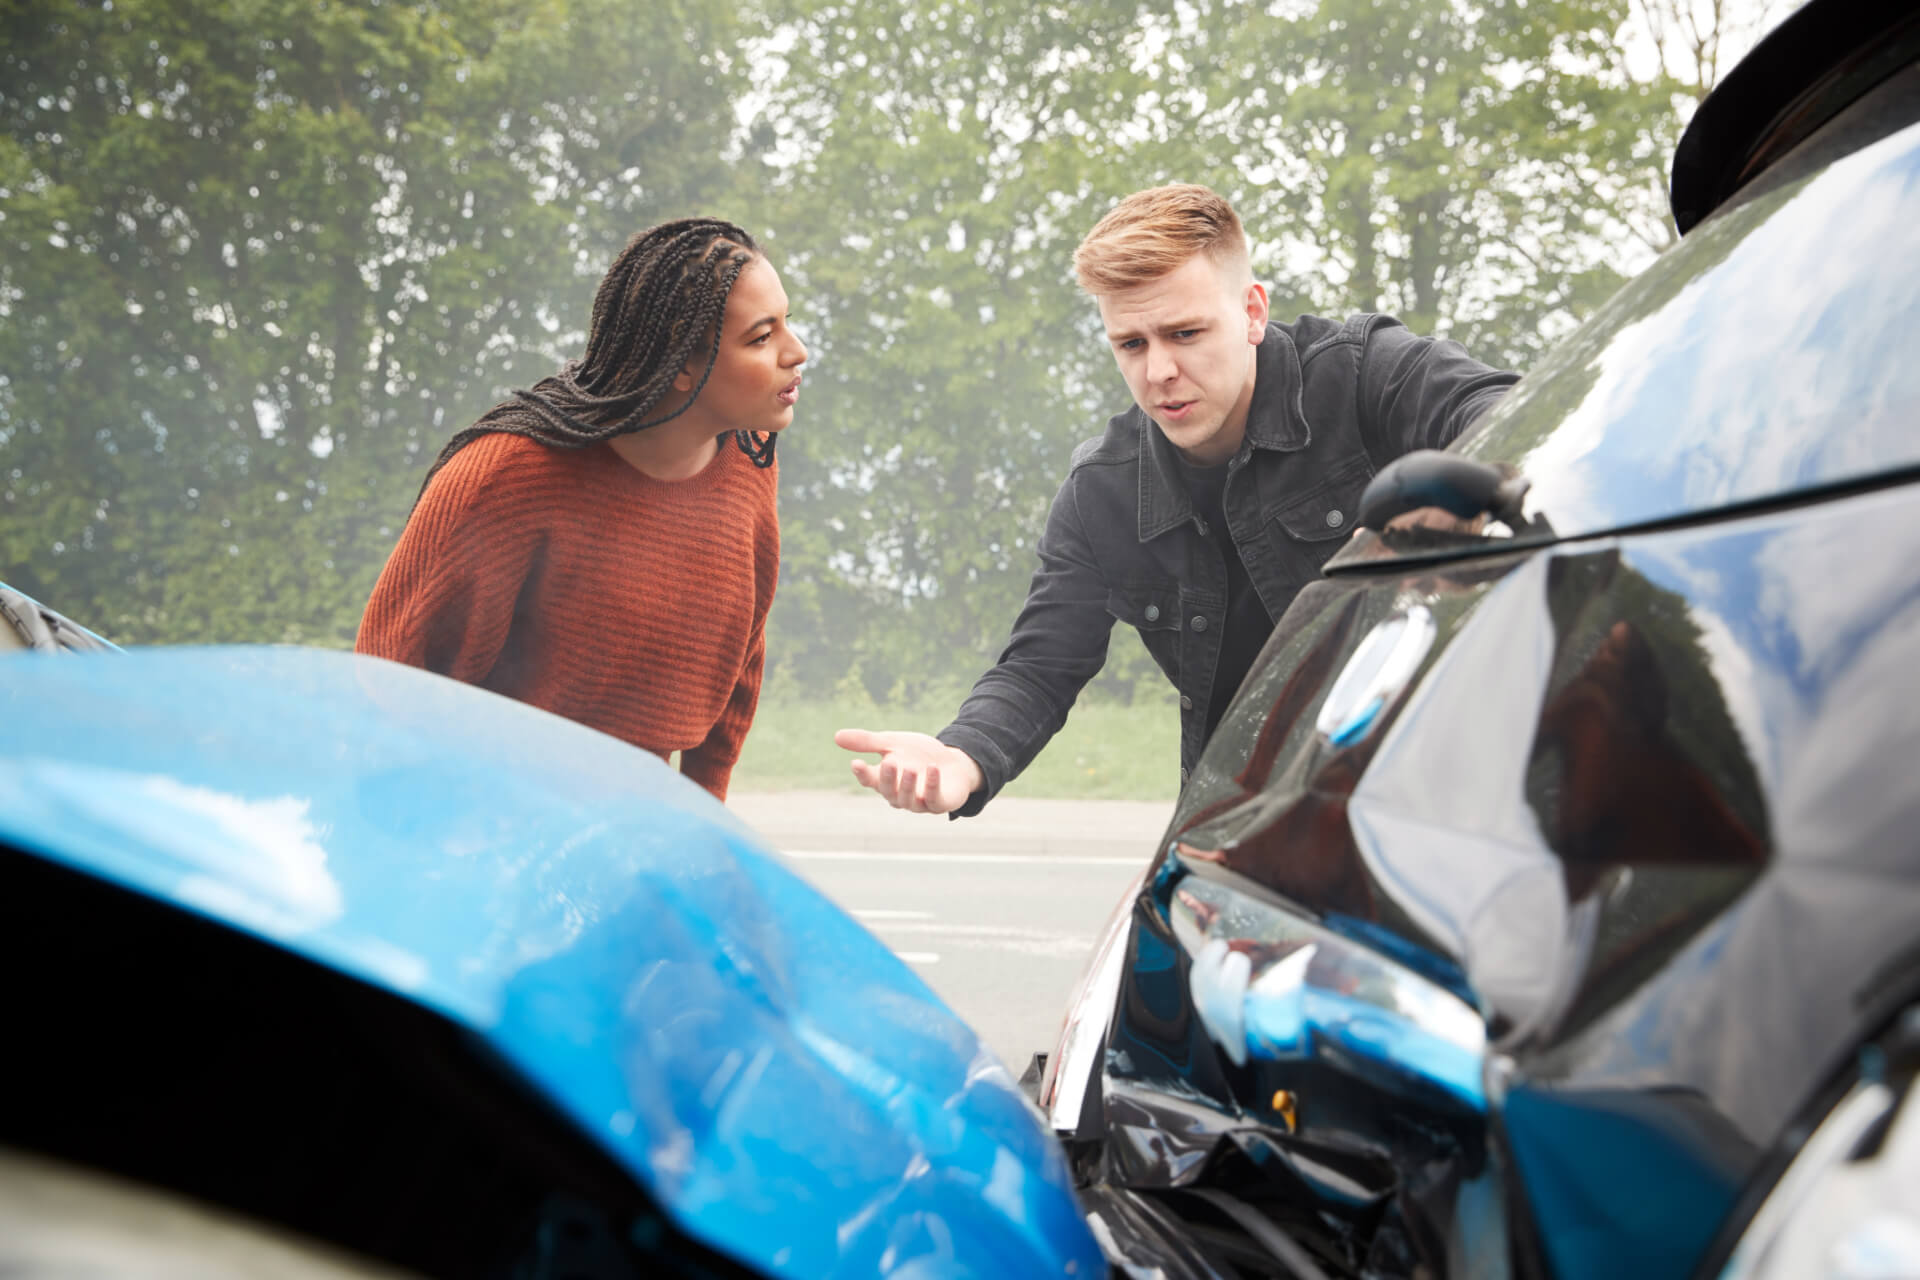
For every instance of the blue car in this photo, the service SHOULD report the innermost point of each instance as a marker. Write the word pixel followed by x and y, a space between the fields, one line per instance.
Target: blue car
pixel 315 953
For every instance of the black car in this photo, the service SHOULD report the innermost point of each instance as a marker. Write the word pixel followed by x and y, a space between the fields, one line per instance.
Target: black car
pixel 1553 877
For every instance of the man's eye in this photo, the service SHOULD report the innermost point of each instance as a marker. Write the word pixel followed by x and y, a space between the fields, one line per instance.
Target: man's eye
pixel 1184 334
pixel 1131 344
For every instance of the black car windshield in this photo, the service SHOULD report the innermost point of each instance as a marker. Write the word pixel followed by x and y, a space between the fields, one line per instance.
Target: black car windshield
pixel 1775 350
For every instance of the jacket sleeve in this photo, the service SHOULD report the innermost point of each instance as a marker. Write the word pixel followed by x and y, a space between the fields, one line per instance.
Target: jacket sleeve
pixel 1059 642
pixel 445 599
pixel 1420 393
pixel 711 763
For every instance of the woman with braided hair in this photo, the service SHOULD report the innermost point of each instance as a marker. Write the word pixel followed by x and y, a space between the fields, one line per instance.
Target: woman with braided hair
pixel 605 545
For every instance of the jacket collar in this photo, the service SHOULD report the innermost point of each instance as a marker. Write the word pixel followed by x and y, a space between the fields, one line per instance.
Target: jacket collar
pixel 1276 419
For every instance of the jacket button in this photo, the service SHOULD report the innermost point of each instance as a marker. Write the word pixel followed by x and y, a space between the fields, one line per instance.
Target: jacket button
pixel 1334 517
pixel 1199 622
pixel 1186 703
pixel 1153 613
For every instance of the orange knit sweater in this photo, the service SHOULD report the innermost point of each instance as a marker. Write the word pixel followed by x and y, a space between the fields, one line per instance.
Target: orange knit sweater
pixel 570 580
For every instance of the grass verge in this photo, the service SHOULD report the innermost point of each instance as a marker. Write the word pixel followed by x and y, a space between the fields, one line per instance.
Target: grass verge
pixel 1106 752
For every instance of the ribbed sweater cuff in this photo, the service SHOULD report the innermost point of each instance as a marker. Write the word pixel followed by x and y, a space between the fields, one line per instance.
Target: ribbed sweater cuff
pixel 710 774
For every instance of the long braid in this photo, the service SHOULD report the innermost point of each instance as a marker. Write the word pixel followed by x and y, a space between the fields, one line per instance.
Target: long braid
pixel 664 296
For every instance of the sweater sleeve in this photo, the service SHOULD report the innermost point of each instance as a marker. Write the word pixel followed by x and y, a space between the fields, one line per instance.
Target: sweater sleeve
pixel 445 600
pixel 711 763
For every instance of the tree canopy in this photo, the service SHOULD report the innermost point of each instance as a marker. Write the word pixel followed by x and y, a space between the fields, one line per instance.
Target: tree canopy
pixel 261 261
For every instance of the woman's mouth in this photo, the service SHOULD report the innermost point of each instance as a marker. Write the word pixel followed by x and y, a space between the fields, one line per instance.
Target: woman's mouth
pixel 791 394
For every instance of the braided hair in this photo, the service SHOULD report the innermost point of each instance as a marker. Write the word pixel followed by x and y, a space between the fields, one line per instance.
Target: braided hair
pixel 663 298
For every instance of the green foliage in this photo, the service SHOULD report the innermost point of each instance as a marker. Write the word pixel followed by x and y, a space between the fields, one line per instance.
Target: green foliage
pixel 1478 171
pixel 261 259
pixel 258 261
pixel 1471 169
pixel 936 168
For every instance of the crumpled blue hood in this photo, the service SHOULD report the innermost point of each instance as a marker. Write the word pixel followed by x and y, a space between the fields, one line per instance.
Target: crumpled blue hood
pixel 778 1080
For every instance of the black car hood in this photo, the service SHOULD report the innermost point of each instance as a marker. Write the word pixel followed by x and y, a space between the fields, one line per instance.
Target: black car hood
pixel 1752 365
pixel 1642 803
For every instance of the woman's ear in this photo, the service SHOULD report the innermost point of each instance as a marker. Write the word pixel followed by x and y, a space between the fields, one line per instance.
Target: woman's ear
pixel 683 381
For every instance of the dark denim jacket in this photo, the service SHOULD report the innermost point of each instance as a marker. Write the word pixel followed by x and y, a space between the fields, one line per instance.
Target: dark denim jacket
pixel 1332 403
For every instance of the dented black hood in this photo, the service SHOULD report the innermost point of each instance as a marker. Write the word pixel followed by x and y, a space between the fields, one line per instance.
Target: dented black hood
pixel 1639 804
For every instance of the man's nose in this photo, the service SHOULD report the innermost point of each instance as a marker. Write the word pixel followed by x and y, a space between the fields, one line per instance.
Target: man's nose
pixel 1161 366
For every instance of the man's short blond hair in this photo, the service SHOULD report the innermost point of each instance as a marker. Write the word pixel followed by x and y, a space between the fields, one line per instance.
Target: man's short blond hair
pixel 1153 232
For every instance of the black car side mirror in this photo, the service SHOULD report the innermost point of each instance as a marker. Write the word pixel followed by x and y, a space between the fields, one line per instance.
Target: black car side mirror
pixel 1459 486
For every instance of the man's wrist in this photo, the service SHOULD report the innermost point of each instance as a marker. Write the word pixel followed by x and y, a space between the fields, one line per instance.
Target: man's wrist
pixel 981 753
pixel 971 773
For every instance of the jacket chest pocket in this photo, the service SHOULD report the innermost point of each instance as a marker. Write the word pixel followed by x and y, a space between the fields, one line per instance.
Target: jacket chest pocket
pixel 1306 530
pixel 1155 613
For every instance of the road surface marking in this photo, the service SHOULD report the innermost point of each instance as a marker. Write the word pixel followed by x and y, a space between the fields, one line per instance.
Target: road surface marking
pixel 919 957
pixel 1052 860
pixel 1007 939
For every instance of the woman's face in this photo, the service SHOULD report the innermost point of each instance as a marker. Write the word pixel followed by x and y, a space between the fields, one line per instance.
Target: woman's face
pixel 756 375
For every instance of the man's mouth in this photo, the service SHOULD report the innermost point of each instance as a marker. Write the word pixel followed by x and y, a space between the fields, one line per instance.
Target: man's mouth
pixel 1175 409
pixel 791 393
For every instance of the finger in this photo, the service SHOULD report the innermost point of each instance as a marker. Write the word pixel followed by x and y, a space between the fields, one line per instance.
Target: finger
pixel 890 782
pixel 866 775
pixel 858 740
pixel 916 801
pixel 909 788
pixel 933 796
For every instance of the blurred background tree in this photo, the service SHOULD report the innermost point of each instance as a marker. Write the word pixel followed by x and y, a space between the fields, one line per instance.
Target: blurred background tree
pixel 257 263
pixel 261 258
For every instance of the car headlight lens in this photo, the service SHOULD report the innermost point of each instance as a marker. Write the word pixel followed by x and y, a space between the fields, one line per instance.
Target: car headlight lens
pixel 1273 986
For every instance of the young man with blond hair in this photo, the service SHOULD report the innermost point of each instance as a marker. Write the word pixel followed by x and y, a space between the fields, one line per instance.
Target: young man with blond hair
pixel 1200 512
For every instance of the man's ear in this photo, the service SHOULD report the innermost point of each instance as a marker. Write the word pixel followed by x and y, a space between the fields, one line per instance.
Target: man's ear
pixel 1256 312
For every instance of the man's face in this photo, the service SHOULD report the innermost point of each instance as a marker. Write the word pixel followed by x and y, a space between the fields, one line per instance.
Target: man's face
pixel 1185 344
pixel 756 375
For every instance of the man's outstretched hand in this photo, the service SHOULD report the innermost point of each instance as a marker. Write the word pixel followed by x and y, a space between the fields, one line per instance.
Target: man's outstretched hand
pixel 916 772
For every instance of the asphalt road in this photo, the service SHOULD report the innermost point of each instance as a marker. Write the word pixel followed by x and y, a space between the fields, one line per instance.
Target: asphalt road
pixel 997 913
